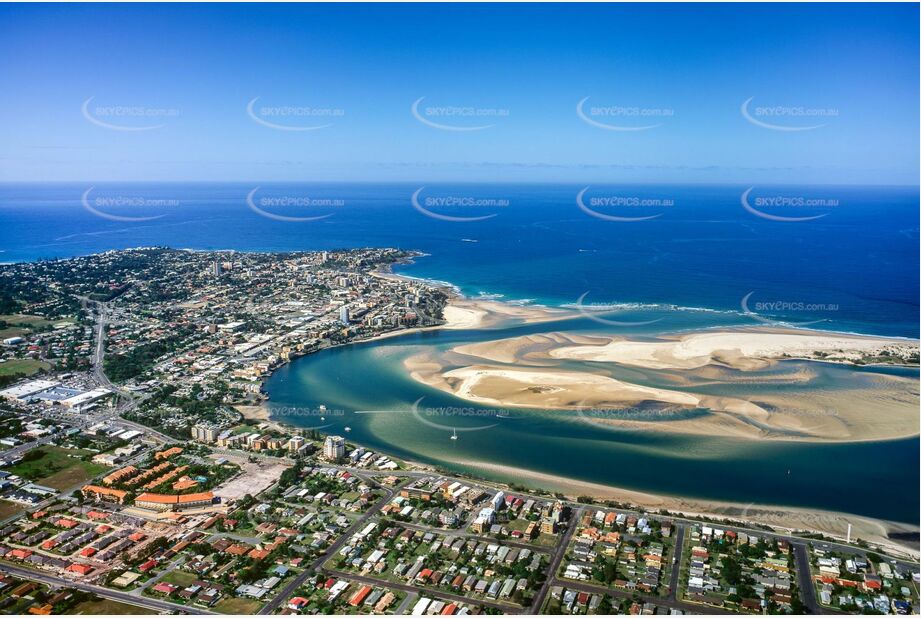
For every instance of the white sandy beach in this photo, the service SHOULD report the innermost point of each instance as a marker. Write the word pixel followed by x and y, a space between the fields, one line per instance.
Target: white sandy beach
pixel 743 349
pixel 464 313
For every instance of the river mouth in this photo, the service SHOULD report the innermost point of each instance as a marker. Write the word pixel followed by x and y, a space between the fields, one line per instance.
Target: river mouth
pixel 367 389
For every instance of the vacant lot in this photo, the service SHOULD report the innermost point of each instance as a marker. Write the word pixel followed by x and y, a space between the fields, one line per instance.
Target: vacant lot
pixel 255 478
pixel 179 578
pixel 56 467
pixel 229 605
pixel 107 607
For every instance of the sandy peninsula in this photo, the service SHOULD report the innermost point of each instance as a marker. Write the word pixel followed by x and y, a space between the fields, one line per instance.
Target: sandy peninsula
pixel 462 313
pixel 527 372
pixel 740 348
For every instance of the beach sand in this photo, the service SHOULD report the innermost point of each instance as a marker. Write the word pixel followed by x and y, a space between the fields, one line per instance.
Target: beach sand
pixel 464 313
pixel 745 349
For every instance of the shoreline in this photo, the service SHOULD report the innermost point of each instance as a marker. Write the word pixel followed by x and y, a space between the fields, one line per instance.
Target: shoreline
pixel 783 517
pixel 787 518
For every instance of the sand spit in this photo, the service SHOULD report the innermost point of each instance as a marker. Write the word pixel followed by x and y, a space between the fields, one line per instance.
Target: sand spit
pixel 746 349
pixel 470 313
pixel 520 372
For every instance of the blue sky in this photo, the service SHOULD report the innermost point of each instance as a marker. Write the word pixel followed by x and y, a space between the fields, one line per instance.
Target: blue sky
pixel 683 70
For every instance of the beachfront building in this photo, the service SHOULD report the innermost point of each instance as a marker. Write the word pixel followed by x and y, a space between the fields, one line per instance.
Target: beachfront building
pixel 334 448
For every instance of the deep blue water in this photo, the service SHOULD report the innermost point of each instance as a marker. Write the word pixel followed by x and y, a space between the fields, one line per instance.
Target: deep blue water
pixel 857 265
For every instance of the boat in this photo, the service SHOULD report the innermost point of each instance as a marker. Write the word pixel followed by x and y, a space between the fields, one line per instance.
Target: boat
pixel 454 435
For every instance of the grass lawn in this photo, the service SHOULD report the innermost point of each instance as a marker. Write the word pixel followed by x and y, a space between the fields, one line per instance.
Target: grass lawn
pixel 21 365
pixel 19 324
pixel 56 468
pixel 233 605
pixel 108 607
pixel 179 578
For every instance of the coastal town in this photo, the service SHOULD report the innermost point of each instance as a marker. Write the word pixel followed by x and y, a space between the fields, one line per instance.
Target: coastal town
pixel 136 476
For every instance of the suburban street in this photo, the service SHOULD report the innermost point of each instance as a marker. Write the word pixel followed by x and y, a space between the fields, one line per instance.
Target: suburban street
pixel 558 553
pixel 330 551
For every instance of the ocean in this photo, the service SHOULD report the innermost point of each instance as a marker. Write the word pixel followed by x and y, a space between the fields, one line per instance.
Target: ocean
pixel 854 269
pixel 688 257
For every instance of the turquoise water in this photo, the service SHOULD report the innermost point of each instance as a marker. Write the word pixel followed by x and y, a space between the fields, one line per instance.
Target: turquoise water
pixel 366 388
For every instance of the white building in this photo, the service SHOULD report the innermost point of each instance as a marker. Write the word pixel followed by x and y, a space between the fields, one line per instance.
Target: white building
pixel 334 448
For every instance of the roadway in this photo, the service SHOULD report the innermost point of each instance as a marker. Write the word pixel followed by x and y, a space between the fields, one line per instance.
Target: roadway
pixel 57 582
pixel 804 579
pixel 558 553
pixel 676 563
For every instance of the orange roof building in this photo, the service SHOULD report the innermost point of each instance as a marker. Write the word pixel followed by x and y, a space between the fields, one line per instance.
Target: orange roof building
pixel 173 502
pixel 44 610
pixel 359 597
pixel 82 569
pixel 160 480
pixel 119 475
pixel 167 453
pixel 95 492
pixel 184 483
pixel 148 474
pixel 237 549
